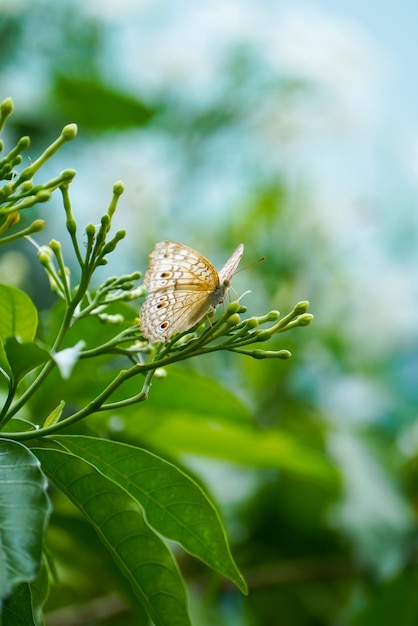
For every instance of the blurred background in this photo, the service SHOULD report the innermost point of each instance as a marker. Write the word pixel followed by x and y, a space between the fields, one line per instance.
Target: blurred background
pixel 292 127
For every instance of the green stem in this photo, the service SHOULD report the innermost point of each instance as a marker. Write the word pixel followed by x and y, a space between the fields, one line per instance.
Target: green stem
pixel 3 415
pixel 47 368
pixel 124 336
pixel 140 397
pixel 21 233
pixel 50 269
pixel 68 133
pixel 93 406
pixel 63 277
pixel 71 224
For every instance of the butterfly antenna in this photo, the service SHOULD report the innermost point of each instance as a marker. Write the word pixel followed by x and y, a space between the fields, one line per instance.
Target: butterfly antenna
pixel 263 258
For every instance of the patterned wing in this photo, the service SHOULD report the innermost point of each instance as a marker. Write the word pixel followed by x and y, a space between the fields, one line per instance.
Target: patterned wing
pixel 166 313
pixel 230 267
pixel 175 264
pixel 180 282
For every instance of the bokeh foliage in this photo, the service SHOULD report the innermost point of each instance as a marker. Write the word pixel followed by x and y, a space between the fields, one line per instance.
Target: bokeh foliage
pixel 313 461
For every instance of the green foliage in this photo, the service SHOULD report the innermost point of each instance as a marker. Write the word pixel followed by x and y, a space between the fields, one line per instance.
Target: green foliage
pixel 25 510
pixel 93 362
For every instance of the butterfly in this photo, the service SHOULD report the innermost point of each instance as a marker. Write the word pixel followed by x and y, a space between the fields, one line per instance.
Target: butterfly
pixel 182 287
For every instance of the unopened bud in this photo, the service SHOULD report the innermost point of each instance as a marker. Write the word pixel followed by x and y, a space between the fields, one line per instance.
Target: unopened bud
pixel 27 186
pixel 67 175
pixel 301 307
pixel 251 322
pixel 233 307
pixel 55 245
pixel 262 335
pixel 37 226
pixel 305 320
pixel 43 196
pixel 45 255
pixel 90 230
pixel 233 320
pixel 6 107
pixel 69 132
pixel 118 188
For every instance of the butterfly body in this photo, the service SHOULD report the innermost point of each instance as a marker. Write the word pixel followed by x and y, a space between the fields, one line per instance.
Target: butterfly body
pixel 182 287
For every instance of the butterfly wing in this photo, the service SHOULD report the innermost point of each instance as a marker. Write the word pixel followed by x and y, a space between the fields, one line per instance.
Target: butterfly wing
pixel 180 282
pixel 230 267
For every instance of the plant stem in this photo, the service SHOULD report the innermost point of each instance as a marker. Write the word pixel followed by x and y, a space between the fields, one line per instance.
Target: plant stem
pixel 93 406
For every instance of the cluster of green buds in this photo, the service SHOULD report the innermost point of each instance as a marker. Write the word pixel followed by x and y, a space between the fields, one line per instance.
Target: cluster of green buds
pixel 19 193
pixel 98 245
pixel 232 333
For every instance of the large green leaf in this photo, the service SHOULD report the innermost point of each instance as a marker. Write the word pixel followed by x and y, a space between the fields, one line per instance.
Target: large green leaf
pixel 174 504
pixel 17 609
pixel 39 589
pixel 98 107
pixel 186 391
pixel 139 552
pixel 18 314
pixel 5 368
pixel 24 511
pixel 183 433
pixel 24 357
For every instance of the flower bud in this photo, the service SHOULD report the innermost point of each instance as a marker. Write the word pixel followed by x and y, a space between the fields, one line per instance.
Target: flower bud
pixel 305 320
pixel 45 255
pixel 6 107
pixel 115 319
pixel 251 322
pixel 233 307
pixel 69 132
pixel 90 230
pixel 270 354
pixel 37 226
pixel 118 188
pixel 55 246
pixel 67 175
pixel 23 144
pixel 233 320
pixel 27 186
pixel 262 335
pixel 43 195
pixel 301 307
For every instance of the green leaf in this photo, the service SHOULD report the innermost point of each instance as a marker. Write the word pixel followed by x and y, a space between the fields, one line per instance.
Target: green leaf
pixel 39 589
pixel 24 357
pixel 17 610
pixel 239 443
pixel 18 314
pixel 139 552
pixel 175 506
pixel 55 415
pixel 18 425
pixel 99 107
pixel 5 368
pixel 24 511
pixel 174 394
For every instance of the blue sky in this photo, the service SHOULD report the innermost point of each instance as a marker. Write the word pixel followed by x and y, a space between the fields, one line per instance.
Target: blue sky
pixel 393 25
